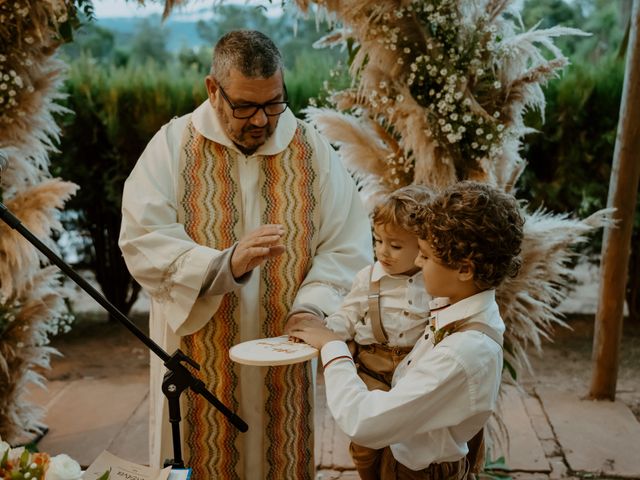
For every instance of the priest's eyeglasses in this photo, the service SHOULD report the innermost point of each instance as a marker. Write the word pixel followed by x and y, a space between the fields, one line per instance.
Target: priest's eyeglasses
pixel 270 109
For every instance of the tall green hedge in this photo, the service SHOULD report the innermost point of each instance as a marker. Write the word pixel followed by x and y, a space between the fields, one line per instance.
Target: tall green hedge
pixel 116 111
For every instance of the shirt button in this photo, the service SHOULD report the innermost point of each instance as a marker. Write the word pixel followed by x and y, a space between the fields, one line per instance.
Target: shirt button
pixel 405 313
pixel 411 280
pixel 408 362
pixel 410 302
pixel 401 335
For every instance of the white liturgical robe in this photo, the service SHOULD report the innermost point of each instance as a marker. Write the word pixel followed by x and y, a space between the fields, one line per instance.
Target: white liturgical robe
pixel 173 269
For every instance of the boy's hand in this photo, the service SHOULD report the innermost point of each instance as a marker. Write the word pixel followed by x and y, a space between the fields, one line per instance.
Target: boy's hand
pixel 316 336
pixel 302 319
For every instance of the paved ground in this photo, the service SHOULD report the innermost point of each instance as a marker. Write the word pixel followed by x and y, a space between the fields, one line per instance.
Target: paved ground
pixel 552 435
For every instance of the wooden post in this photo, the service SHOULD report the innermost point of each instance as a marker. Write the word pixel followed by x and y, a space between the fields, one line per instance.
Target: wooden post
pixel 623 187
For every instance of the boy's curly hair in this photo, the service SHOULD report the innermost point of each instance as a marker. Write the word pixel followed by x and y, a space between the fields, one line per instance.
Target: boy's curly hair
pixel 400 207
pixel 474 222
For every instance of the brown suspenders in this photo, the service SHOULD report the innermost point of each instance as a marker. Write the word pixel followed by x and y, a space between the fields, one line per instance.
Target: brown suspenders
pixel 374 311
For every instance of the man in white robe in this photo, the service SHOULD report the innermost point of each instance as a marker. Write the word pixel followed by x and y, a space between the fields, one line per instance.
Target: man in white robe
pixel 213 201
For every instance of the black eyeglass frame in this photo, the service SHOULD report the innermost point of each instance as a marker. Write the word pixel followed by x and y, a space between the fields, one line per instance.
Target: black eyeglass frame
pixel 256 106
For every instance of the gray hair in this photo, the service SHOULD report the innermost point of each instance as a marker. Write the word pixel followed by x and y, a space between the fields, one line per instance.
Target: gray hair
pixel 250 52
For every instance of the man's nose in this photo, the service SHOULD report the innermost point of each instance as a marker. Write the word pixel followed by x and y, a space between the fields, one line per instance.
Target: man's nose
pixel 259 119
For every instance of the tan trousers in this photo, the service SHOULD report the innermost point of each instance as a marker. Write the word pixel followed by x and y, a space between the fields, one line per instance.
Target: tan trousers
pixel 390 469
pixel 376 364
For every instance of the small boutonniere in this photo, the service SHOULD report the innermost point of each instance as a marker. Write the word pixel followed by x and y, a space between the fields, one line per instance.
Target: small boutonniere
pixel 436 305
pixel 439 335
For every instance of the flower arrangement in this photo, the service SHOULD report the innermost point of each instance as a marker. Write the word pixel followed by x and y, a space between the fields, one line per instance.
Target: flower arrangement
pixel 32 307
pixel 438 94
pixel 21 464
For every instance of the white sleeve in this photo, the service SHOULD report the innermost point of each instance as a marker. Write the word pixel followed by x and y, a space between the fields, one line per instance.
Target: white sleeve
pixel 343 321
pixel 160 255
pixel 431 397
pixel 344 234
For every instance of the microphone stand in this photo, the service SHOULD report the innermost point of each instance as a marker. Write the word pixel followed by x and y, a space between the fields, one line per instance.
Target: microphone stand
pixel 175 381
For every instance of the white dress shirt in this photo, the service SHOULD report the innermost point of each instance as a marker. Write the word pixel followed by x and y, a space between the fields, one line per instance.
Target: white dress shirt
pixel 440 397
pixel 404 308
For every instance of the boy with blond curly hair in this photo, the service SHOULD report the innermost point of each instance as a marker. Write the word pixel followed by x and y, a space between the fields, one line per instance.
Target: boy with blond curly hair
pixel 445 389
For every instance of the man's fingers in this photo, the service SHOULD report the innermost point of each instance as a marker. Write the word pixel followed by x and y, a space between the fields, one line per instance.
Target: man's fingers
pixel 276 250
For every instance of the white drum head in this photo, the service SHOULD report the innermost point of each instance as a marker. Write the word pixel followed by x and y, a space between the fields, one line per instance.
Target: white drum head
pixel 271 351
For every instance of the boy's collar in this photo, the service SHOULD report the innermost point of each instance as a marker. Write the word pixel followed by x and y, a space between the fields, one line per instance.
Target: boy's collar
pixel 445 315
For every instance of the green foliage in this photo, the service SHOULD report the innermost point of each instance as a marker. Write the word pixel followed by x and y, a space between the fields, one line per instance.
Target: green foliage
pixel 308 79
pixel 570 155
pixel 116 112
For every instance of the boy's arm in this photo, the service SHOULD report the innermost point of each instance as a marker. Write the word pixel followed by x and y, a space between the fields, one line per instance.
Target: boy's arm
pixel 432 396
pixel 343 322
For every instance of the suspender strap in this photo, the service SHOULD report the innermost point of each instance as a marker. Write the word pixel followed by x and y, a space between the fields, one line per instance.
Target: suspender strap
pixel 374 311
pixel 481 327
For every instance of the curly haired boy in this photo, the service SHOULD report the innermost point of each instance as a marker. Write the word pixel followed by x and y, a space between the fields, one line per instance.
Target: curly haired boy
pixel 446 388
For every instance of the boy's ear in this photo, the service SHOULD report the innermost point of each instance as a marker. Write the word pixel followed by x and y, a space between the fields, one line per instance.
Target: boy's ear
pixel 466 272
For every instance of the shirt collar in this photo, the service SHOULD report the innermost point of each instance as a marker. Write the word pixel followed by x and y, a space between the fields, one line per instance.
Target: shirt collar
pixel 206 122
pixel 378 272
pixel 463 309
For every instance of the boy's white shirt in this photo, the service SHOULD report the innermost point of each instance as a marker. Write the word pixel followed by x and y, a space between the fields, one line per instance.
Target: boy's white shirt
pixel 404 308
pixel 441 395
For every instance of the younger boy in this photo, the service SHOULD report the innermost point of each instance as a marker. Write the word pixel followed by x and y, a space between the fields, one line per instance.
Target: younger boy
pixel 386 311
pixel 446 388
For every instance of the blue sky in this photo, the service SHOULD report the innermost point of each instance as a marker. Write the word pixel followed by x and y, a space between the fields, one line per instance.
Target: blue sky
pixel 131 8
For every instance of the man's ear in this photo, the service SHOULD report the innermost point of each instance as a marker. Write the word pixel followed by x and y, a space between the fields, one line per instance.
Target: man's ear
pixel 466 272
pixel 212 86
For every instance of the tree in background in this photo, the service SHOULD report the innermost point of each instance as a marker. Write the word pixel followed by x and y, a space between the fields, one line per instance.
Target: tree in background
pixel 32 306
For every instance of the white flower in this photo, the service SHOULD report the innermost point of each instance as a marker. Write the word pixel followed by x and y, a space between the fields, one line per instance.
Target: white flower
pixel 500 127
pixel 479 72
pixel 63 467
pixel 479 131
pixel 497 84
pixel 4 446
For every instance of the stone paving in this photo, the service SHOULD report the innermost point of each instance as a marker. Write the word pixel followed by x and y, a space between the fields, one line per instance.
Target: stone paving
pixel 552 434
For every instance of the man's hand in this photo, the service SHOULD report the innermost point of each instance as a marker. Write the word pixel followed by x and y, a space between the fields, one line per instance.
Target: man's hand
pixel 255 248
pixel 302 319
